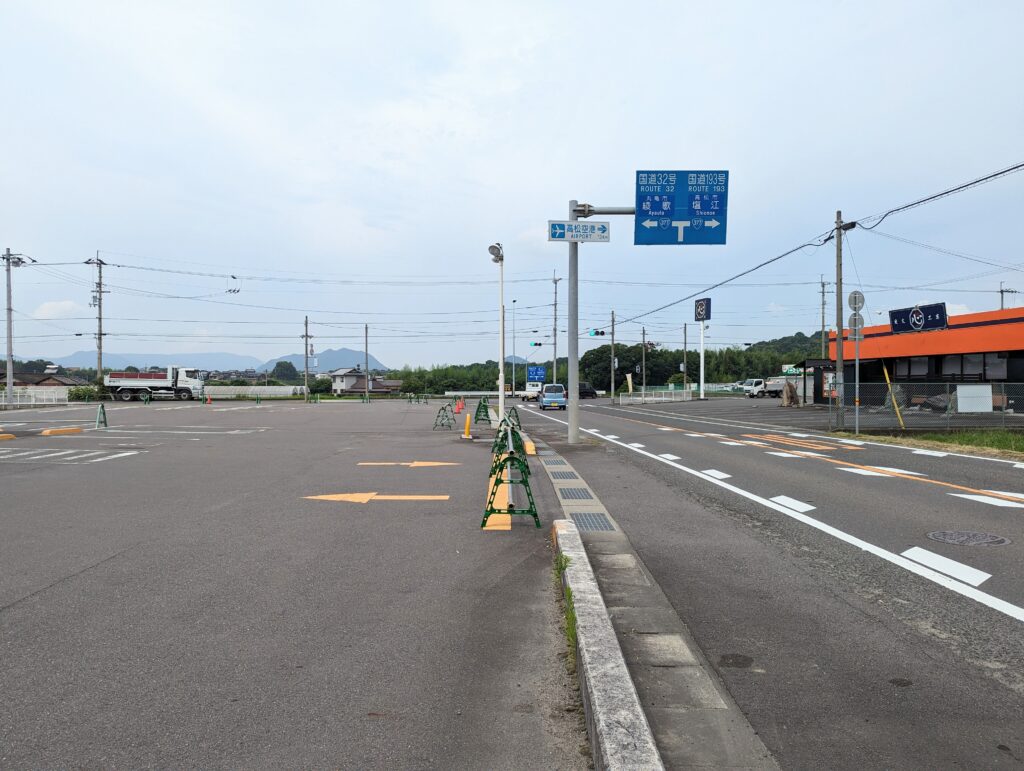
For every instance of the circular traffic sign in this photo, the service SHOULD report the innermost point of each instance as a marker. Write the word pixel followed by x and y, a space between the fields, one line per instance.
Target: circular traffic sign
pixel 856 300
pixel 856 321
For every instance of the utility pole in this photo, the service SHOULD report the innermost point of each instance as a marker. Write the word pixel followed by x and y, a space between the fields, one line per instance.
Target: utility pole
pixel 823 342
pixel 305 356
pixel 840 396
pixel 97 300
pixel 366 361
pixel 10 260
pixel 1003 293
pixel 513 349
pixel 611 388
pixel 554 333
pixel 643 363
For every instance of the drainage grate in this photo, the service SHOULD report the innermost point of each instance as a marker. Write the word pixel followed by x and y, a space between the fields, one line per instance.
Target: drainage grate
pixel 555 462
pixel 564 475
pixel 576 494
pixel 968 538
pixel 545 452
pixel 592 521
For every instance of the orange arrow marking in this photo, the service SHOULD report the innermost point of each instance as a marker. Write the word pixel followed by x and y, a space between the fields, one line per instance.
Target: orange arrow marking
pixel 367 497
pixel 413 464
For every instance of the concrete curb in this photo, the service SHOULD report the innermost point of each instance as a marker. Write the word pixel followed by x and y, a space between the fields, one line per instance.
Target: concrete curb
pixel 620 735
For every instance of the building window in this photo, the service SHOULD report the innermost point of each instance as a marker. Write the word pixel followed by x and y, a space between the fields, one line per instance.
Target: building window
pixel 951 367
pixel 919 367
pixel 902 369
pixel 974 366
pixel 995 366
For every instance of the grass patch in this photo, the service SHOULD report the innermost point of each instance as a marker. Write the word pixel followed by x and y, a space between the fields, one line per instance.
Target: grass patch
pixel 997 439
pixel 568 611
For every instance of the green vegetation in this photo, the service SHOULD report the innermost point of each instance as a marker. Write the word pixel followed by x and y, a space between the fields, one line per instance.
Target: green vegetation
pixel 568 610
pixel 82 393
pixel 999 439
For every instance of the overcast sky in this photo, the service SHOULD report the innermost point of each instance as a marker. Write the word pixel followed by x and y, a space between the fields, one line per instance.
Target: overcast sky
pixel 353 161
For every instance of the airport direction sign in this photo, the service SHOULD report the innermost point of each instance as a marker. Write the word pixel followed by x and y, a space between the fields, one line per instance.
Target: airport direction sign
pixel 681 208
pixel 579 230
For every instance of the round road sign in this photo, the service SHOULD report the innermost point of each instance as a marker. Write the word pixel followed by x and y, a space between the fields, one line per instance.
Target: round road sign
pixel 856 321
pixel 856 300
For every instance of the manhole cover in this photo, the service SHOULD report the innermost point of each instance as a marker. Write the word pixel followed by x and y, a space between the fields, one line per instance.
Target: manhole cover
pixel 586 520
pixel 968 538
pixel 564 475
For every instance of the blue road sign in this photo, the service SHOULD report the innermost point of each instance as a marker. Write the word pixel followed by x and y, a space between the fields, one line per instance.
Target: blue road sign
pixel 681 208
pixel 702 309
pixel 574 230
pixel 920 318
pixel 536 374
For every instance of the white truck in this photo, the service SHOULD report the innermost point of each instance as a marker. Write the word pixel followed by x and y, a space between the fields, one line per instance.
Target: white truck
pixel 174 383
pixel 759 387
pixel 532 392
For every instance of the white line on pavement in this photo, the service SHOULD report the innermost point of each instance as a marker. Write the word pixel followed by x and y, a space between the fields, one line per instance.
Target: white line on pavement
pixel 668 456
pixel 1012 495
pixel 782 454
pixel 900 471
pixel 793 504
pixel 957 570
pixel 801 436
pixel 991 501
pixel 936 577
pixel 713 472
pixel 637 445
pixel 864 472
pixel 933 453
pixel 732 444
pixel 611 436
pixel 111 457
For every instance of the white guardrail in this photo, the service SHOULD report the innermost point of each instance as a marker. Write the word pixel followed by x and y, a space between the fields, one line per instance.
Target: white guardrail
pixel 30 396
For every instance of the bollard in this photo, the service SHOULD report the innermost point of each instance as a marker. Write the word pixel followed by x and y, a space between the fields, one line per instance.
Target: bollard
pixel 465 433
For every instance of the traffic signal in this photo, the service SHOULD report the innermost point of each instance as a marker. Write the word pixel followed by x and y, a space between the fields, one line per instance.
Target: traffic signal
pixel 597 333
pixel 538 345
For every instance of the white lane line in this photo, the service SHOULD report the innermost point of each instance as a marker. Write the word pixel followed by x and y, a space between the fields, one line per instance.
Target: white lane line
pixel 732 444
pixel 718 435
pixel 815 454
pixel 933 453
pixel 758 444
pixel 793 503
pixel 637 445
pixel 936 577
pixel 989 500
pixel 22 453
pixel 666 428
pixel 801 436
pixel 1002 492
pixel 668 456
pixel 712 472
pixel 111 457
pixel 865 472
pixel 952 568
pixel 782 454
pixel 1018 465
pixel 900 471
pixel 851 441
pixel 53 454
pixel 701 436
pixel 76 458
pixel 611 436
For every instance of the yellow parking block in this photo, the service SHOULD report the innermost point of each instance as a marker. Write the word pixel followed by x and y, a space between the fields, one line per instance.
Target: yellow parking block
pixel 61 431
pixel 6 436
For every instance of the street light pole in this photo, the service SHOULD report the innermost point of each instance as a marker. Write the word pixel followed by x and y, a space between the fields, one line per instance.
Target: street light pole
pixel 513 349
pixel 498 256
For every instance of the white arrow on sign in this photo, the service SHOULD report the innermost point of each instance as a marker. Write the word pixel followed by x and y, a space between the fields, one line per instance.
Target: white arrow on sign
pixel 650 223
pixel 712 223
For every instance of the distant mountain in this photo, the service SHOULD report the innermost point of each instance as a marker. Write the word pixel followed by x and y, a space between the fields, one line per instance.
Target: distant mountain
pixel 141 360
pixel 517 360
pixel 328 360
pixel 797 347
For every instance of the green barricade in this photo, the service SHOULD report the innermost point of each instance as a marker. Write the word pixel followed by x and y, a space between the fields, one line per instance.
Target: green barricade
pixel 482 414
pixel 445 417
pixel 510 466
pixel 101 416
pixel 513 417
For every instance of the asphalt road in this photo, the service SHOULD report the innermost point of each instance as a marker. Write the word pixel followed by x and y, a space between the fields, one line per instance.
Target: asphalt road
pixel 804 568
pixel 170 595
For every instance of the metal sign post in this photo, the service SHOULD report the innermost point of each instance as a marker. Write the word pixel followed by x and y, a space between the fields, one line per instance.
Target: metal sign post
pixel 702 313
pixel 856 302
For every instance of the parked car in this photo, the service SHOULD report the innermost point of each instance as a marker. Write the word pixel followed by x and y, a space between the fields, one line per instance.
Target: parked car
pixel 587 391
pixel 553 395
pixel 532 392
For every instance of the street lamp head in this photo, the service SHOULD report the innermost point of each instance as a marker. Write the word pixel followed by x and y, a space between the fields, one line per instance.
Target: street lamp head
pixel 497 254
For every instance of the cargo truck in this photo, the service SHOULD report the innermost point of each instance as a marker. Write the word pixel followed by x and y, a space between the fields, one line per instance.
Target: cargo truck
pixel 174 383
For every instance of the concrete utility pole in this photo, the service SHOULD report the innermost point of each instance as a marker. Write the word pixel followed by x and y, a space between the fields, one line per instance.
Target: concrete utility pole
pixel 9 261
pixel 1002 295
pixel 611 387
pixel 823 341
pixel 98 302
pixel 554 330
pixel 513 349
pixel 840 397
pixel 643 363
pixel 305 356
pixel 366 361
pixel 686 374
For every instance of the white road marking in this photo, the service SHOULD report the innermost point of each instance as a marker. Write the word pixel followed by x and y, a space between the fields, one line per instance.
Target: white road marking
pixel 712 472
pixel 851 441
pixel 732 444
pixel 637 445
pixel 933 453
pixel 611 436
pixel 957 570
pixel 900 471
pixel 47 454
pixel 782 454
pixel 815 454
pixel 701 436
pixel 714 434
pixel 22 454
pixel 865 472
pixel 1012 495
pixel 989 500
pixel 76 458
pixel 801 436
pixel 936 577
pixel 793 503
pixel 111 457
pixel 758 444
pixel 1018 465
pixel 665 428
pixel 668 456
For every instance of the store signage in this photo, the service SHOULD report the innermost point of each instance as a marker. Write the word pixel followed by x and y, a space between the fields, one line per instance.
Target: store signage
pixel 920 318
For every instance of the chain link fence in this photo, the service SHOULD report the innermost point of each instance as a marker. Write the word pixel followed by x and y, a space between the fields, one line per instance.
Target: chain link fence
pixel 929 406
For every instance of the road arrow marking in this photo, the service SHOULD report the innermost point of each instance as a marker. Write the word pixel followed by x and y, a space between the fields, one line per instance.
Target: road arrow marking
pixel 413 464
pixel 712 223
pixel 650 223
pixel 367 497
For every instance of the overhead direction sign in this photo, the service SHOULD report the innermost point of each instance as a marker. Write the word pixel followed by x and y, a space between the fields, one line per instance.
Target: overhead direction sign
pixel 577 230
pixel 681 208
pixel 536 374
pixel 920 318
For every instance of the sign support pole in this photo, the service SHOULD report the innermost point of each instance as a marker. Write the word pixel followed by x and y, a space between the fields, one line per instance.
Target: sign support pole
pixel 701 359
pixel 856 384
pixel 840 397
pixel 611 387
pixel 574 336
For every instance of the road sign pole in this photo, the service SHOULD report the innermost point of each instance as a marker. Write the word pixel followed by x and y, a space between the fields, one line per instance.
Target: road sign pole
pixel 856 384
pixel 840 416
pixel 574 341
pixel 701 359
pixel 611 382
